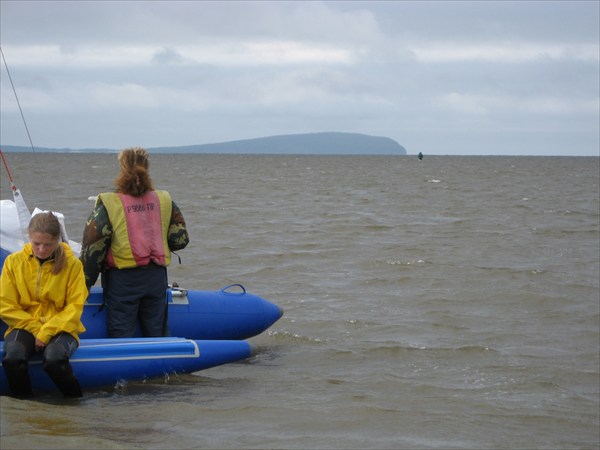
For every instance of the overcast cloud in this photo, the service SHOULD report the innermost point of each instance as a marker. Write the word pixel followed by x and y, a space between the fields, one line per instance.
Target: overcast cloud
pixel 472 77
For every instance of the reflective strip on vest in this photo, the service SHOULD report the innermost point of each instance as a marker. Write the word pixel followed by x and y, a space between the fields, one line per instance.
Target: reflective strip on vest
pixel 140 228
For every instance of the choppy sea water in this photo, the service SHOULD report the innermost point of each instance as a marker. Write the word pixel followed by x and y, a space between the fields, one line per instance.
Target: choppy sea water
pixel 451 302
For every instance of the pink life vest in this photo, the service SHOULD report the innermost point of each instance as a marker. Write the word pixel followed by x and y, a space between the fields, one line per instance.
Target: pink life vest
pixel 140 227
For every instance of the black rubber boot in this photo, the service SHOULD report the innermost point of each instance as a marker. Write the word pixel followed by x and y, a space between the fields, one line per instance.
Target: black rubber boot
pixel 60 371
pixel 15 367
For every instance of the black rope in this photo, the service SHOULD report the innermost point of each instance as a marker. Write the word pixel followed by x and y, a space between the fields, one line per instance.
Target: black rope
pixel 16 97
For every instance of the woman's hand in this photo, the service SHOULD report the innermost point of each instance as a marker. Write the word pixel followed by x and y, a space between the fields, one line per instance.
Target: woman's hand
pixel 39 345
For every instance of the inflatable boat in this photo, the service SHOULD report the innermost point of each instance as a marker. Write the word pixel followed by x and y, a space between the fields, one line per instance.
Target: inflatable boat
pixel 106 362
pixel 208 329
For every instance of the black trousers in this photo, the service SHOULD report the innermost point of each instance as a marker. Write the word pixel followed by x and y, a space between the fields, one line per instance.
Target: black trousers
pixel 132 294
pixel 19 347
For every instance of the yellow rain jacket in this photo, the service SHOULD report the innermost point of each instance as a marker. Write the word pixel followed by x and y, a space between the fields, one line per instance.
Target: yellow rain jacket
pixel 34 299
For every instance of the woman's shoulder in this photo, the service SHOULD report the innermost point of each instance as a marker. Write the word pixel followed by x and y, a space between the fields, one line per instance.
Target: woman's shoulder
pixel 21 255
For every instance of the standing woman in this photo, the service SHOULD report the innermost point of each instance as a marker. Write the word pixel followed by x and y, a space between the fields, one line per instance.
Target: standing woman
pixel 128 238
pixel 42 295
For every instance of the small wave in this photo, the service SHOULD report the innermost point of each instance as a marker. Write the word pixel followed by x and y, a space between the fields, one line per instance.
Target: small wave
pixel 121 385
pixel 474 349
pixel 287 336
pixel 396 350
pixel 361 323
pixel 397 262
pixel 378 227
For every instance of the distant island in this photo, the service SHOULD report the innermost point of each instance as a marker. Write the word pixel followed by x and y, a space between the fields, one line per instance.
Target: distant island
pixel 326 143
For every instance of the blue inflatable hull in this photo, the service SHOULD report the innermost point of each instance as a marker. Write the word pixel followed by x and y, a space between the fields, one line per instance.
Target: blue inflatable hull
pixel 105 362
pixel 231 313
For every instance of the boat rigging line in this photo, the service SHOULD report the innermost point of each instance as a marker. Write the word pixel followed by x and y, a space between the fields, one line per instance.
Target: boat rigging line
pixel 23 212
pixel 18 103
pixel 12 184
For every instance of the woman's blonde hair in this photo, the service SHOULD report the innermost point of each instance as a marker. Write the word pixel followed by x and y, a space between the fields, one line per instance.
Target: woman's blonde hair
pixel 134 178
pixel 48 223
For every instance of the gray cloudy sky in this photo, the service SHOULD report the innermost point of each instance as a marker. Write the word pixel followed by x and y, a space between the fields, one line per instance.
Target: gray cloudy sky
pixel 470 77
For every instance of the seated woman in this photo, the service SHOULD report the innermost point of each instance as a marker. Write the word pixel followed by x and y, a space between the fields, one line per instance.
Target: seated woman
pixel 42 293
